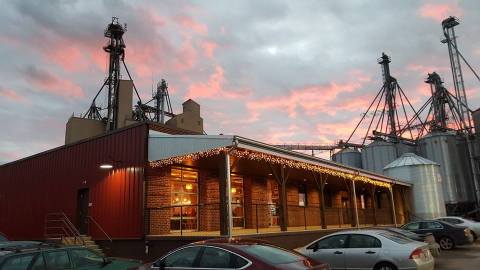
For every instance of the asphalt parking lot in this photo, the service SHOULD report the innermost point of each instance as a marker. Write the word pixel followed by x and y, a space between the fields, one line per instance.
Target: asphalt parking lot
pixel 461 258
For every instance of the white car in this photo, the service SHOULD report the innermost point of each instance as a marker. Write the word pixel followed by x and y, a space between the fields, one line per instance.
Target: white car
pixel 474 226
pixel 370 249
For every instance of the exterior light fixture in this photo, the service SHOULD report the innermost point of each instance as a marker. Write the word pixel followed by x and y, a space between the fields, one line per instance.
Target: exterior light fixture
pixel 106 166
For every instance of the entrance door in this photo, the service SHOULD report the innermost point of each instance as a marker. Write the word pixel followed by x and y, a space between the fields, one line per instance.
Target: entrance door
pixel 82 211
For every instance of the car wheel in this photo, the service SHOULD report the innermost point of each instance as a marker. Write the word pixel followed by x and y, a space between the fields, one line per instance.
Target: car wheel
pixel 446 243
pixel 385 266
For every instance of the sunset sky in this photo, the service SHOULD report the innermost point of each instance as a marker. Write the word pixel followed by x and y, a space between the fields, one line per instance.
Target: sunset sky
pixel 275 71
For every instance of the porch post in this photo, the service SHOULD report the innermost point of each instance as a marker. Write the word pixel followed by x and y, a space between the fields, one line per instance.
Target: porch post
pixel 282 185
pixel 321 186
pixel 224 188
pixel 374 205
pixel 229 195
pixel 355 203
pixel 393 206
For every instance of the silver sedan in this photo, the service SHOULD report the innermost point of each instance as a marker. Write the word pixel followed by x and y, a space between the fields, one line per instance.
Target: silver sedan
pixel 369 249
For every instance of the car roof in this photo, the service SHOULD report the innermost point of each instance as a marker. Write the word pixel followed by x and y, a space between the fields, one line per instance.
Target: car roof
pixel 232 241
pixel 20 247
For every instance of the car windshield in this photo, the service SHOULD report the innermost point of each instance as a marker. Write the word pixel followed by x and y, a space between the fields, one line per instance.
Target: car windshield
pixel 396 238
pixel 271 254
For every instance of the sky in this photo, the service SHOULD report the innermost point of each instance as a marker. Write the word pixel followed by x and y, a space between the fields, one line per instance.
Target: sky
pixel 276 71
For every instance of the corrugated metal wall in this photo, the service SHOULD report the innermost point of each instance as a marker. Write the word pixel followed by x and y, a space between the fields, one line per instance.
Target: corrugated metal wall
pixel 49 182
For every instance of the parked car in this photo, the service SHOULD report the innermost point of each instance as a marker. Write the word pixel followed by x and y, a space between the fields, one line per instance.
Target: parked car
pixel 42 257
pixel 447 235
pixel 3 237
pixel 428 238
pixel 233 254
pixel 369 249
pixel 473 225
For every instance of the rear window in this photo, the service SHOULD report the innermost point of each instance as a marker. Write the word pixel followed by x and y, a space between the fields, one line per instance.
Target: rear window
pixel 271 254
pixel 396 238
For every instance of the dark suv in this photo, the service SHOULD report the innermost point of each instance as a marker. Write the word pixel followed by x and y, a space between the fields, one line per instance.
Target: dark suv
pixel 44 257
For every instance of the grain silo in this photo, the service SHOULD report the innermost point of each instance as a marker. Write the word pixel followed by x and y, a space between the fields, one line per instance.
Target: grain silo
pixel 426 178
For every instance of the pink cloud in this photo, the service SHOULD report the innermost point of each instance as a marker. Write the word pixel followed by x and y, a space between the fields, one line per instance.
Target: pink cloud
pixel 312 100
pixel 425 69
pixel 69 57
pixel 214 88
pixel 209 48
pixel 52 84
pixel 189 23
pixel 11 95
pixel 439 12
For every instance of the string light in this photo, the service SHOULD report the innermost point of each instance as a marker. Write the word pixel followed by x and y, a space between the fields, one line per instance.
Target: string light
pixel 257 156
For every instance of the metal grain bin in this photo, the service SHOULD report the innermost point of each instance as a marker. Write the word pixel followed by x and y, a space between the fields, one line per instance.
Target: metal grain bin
pixel 450 152
pixel 349 157
pixel 425 176
pixel 377 155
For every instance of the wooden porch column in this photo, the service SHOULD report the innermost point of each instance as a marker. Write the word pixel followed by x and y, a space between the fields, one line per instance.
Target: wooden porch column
pixel 392 199
pixel 281 177
pixel 374 204
pixel 320 182
pixel 353 204
pixel 225 200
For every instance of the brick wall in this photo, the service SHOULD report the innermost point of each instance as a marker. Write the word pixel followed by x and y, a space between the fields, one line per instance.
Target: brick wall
pixel 158 195
pixel 256 200
pixel 209 199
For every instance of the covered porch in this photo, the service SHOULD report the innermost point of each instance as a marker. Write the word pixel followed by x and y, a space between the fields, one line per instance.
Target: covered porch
pixel 229 185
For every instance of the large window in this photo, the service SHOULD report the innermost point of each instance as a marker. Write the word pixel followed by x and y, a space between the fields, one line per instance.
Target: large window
pixel 273 201
pixel 184 194
pixel 238 212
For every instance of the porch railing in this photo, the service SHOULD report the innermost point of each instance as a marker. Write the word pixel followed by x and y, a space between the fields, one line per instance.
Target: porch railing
pixel 255 218
pixel 58 225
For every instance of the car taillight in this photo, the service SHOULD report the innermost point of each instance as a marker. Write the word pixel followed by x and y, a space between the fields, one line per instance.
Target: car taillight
pixel 416 254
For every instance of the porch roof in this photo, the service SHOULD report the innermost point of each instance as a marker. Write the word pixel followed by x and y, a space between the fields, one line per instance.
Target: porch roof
pixel 162 147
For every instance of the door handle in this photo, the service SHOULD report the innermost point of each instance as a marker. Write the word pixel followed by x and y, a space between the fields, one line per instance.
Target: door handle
pixel 337 252
pixel 370 252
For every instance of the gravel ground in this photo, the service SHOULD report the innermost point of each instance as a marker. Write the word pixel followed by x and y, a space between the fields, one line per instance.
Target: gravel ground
pixel 461 258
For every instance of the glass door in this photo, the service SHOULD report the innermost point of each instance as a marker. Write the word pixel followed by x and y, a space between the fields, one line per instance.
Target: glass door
pixel 238 211
pixel 184 196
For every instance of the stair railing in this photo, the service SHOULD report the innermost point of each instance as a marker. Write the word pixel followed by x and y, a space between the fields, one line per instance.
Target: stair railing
pixel 58 224
pixel 100 228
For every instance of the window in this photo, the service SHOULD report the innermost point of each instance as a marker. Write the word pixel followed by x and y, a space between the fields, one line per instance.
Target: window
pixel 363 241
pixel 39 263
pixel 57 260
pixel 18 262
pixel 237 201
pixel 220 259
pixel 396 238
pixel 302 195
pixel 181 258
pixel 332 242
pixel 431 225
pixel 453 220
pixel 85 259
pixel 271 255
pixel 412 226
pixel 362 201
pixel 184 194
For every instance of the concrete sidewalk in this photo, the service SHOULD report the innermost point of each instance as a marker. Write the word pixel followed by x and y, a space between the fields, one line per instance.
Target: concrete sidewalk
pixel 461 258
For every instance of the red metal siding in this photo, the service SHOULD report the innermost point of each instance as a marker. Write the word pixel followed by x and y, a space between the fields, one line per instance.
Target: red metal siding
pixel 49 182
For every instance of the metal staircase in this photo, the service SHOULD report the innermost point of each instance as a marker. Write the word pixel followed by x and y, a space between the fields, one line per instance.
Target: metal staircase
pixel 59 229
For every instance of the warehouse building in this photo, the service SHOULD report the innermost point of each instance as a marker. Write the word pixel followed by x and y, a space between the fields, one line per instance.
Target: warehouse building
pixel 152 182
